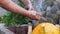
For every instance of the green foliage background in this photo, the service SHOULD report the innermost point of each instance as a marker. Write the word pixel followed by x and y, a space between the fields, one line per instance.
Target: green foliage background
pixel 13 19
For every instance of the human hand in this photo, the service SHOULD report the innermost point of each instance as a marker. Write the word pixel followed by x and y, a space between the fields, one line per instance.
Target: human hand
pixel 29 6
pixel 33 15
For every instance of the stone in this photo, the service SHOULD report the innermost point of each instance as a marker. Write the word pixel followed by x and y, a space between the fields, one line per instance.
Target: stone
pixel 4 30
pixel 48 8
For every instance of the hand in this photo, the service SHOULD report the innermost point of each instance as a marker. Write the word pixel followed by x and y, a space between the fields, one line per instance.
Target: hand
pixel 33 15
pixel 29 7
pixel 27 3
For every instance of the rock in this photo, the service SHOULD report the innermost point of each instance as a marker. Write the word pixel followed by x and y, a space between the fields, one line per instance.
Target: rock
pixel 2 12
pixel 48 8
pixel 58 1
pixel 4 30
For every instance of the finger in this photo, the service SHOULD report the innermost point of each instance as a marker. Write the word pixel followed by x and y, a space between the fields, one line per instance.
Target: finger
pixel 32 17
pixel 38 15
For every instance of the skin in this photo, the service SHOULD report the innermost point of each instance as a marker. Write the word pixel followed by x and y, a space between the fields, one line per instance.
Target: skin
pixel 28 4
pixel 13 7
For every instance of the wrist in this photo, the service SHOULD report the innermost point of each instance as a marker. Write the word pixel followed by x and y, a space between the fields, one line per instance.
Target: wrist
pixel 25 13
pixel 28 14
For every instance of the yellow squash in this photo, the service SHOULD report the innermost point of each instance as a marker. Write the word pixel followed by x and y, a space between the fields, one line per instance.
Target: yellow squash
pixel 46 28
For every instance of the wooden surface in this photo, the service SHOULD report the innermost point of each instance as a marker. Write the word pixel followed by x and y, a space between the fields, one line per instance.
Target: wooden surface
pixel 19 29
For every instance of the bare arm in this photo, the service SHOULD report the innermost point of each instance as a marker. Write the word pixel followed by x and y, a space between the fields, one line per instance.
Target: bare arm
pixel 10 5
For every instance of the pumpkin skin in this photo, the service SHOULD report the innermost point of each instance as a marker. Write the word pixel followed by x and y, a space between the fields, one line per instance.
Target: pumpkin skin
pixel 46 28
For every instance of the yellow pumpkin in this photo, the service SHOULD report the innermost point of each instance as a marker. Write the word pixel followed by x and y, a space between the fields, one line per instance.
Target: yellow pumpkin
pixel 46 28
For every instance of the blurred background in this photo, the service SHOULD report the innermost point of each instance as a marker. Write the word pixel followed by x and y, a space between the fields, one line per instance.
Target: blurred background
pixel 50 9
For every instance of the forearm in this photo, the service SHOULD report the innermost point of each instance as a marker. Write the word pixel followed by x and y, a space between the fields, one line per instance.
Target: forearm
pixel 10 5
